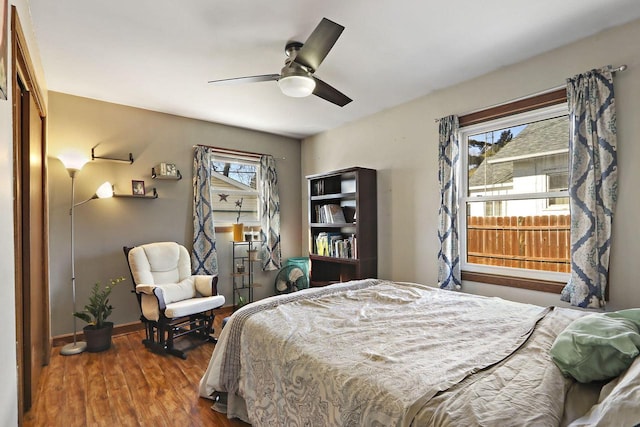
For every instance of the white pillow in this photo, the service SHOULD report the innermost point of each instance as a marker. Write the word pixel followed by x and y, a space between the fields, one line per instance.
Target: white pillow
pixel 619 403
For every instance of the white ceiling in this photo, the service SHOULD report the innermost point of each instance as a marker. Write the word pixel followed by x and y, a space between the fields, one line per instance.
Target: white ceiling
pixel 159 54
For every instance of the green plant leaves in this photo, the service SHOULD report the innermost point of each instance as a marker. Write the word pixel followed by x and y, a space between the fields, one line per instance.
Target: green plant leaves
pixel 98 309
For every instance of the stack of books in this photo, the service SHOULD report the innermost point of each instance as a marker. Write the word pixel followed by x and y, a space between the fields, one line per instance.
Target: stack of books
pixel 336 245
pixel 318 187
pixel 330 214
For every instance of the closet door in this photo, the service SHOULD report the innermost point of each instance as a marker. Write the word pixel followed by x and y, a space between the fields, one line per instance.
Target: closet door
pixel 30 217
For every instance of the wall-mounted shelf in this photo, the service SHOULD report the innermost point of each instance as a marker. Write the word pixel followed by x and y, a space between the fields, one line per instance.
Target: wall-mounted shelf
pixel 152 195
pixel 177 177
pixel 111 159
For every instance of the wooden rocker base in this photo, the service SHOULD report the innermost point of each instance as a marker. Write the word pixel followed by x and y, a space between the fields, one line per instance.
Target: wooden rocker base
pixel 161 334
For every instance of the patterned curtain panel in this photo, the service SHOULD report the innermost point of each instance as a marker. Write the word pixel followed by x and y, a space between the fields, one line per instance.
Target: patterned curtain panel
pixel 270 252
pixel 204 258
pixel 449 157
pixel 593 183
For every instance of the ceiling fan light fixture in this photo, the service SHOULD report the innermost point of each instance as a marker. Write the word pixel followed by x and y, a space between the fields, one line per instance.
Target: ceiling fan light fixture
pixel 297 86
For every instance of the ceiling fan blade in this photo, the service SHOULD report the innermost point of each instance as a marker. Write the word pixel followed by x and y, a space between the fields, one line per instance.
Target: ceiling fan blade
pixel 329 93
pixel 319 43
pixel 250 79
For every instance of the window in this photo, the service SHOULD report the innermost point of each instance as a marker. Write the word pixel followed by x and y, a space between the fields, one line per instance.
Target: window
pixel 558 182
pixel 514 195
pixel 493 208
pixel 234 180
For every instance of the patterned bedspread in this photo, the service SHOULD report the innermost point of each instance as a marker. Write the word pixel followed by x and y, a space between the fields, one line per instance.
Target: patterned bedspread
pixel 369 353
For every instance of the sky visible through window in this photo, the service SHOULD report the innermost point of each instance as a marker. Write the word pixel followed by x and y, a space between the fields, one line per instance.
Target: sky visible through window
pixel 493 136
pixel 241 172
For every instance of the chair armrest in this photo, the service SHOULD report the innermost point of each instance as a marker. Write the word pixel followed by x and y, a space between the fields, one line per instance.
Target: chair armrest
pixel 145 289
pixel 154 291
pixel 206 285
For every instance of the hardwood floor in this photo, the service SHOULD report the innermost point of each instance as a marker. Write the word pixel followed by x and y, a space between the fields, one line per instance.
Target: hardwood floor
pixel 126 385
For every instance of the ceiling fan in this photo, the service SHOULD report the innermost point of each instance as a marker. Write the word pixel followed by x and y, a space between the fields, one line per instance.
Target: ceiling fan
pixel 296 78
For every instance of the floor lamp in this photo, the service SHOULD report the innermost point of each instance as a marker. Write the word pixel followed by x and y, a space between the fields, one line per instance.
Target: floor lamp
pixel 73 164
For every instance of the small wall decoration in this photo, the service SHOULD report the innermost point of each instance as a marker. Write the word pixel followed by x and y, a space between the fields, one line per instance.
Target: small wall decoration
pixel 4 61
pixel 171 169
pixel 137 188
pixel 166 170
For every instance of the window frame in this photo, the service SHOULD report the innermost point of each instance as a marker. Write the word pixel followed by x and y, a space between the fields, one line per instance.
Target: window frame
pixel 557 206
pixel 547 281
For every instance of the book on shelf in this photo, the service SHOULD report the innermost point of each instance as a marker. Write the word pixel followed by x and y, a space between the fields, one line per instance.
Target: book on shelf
pixel 330 214
pixel 336 245
pixel 318 187
pixel 324 243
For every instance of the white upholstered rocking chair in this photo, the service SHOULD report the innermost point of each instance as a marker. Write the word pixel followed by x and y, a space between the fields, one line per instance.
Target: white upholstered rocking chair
pixel 174 303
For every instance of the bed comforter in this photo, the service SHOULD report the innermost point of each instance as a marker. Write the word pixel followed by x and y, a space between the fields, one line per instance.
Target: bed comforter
pixel 380 353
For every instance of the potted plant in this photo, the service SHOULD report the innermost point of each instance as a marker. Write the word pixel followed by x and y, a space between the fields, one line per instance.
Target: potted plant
pixel 98 331
pixel 242 301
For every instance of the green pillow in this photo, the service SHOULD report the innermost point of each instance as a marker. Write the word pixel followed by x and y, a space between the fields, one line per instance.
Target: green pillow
pixel 598 346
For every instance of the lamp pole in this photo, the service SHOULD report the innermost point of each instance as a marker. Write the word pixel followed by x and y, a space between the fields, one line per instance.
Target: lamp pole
pixel 73 162
pixel 76 347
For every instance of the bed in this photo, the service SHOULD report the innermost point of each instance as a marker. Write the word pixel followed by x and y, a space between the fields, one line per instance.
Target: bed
pixel 381 353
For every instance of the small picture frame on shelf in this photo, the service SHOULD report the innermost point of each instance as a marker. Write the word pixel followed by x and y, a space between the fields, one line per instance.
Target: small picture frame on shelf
pixel 166 170
pixel 137 188
pixel 171 169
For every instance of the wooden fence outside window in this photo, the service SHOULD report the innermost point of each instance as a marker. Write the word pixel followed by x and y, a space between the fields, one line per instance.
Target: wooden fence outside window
pixel 532 242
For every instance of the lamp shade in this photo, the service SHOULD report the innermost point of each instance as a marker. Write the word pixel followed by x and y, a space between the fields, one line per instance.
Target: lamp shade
pixel 297 86
pixel 73 161
pixel 105 191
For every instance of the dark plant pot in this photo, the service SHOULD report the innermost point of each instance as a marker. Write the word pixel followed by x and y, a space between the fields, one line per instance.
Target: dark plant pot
pixel 98 339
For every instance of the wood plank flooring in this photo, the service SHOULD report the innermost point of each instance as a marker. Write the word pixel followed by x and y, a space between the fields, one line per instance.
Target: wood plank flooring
pixel 126 385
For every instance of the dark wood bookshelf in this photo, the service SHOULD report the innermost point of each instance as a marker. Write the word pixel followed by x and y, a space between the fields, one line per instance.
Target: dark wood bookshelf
pixel 334 196
pixel 354 190
pixel 333 225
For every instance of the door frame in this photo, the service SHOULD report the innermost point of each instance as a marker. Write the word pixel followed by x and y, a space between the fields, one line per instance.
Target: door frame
pixel 22 69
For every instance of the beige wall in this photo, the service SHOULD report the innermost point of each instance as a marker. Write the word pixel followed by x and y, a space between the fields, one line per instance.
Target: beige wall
pixel 9 390
pixel 103 227
pixel 401 143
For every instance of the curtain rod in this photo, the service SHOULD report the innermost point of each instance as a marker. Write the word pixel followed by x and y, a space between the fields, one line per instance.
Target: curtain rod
pixel 235 151
pixel 231 150
pixel 622 67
